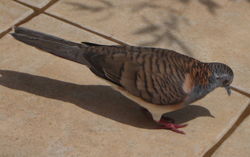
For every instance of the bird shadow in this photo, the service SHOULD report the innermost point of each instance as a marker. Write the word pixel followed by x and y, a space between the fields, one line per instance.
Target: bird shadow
pixel 98 99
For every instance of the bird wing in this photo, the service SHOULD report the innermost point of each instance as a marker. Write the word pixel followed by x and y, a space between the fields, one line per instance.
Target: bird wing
pixel 155 75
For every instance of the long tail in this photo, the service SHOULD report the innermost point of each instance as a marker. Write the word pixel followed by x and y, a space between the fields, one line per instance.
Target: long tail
pixel 51 44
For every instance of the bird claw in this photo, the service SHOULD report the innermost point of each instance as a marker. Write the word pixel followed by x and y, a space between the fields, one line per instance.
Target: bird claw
pixel 171 126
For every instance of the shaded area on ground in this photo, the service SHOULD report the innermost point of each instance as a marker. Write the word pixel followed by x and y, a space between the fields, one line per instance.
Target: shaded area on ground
pixel 164 31
pixel 99 99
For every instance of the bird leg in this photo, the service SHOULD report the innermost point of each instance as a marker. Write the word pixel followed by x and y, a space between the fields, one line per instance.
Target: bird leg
pixel 168 123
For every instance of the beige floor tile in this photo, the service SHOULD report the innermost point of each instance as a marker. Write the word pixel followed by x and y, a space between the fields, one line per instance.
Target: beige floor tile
pixel 36 3
pixel 207 30
pixel 11 13
pixel 238 143
pixel 53 107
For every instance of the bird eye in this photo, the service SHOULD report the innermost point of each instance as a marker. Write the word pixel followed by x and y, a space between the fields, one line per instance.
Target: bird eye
pixel 225 82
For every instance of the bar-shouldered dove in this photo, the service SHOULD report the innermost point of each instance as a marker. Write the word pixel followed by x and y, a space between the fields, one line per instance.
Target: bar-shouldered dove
pixel 159 80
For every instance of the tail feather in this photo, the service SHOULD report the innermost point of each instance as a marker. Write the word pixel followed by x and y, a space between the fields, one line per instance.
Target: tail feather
pixel 51 44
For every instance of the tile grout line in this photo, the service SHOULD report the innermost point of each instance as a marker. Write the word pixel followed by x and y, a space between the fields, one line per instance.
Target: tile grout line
pixel 5 32
pixel 87 29
pixel 240 91
pixel 240 119
pixel 37 11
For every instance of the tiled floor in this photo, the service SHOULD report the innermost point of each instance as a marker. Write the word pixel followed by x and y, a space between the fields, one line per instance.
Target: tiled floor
pixel 53 107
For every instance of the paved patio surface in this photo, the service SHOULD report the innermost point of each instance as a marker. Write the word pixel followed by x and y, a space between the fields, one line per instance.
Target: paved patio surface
pixel 53 107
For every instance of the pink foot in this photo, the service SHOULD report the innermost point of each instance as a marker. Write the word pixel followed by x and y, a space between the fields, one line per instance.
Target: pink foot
pixel 171 126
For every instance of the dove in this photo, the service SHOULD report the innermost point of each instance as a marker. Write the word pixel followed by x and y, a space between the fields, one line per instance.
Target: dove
pixel 159 80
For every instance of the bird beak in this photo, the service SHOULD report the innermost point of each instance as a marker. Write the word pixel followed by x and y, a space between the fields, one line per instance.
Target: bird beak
pixel 228 88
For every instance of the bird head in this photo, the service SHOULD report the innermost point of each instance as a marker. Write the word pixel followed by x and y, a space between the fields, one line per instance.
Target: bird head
pixel 222 75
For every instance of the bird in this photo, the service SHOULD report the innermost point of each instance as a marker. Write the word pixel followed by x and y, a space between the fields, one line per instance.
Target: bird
pixel 159 80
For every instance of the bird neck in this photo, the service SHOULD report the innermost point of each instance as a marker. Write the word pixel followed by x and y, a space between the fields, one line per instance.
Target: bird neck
pixel 203 82
pixel 201 74
pixel 203 78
